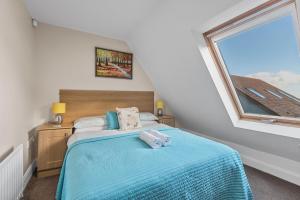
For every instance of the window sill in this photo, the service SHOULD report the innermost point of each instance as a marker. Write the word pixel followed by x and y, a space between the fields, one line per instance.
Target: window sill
pixel 276 129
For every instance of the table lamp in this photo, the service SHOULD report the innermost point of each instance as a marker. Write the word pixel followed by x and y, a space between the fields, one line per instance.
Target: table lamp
pixel 58 109
pixel 160 107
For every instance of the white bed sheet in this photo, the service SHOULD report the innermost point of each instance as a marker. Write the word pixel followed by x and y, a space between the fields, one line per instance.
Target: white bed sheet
pixel 101 133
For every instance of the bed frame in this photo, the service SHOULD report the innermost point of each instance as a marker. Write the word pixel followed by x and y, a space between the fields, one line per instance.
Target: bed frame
pixel 81 103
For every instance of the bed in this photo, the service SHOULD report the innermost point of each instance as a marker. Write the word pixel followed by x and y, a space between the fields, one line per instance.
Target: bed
pixel 118 165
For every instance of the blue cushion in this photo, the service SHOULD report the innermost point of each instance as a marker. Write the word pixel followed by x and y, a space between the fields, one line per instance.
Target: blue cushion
pixel 112 120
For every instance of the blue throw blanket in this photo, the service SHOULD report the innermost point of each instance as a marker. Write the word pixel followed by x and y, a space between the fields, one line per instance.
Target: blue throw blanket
pixel 124 167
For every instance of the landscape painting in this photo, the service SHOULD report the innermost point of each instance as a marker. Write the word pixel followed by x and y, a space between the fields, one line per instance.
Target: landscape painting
pixel 111 63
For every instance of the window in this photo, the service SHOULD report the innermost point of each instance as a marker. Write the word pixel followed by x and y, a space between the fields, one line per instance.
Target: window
pixel 258 55
pixel 256 93
pixel 274 94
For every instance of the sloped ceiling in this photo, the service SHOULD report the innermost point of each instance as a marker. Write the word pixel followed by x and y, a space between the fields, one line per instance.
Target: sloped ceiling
pixel 166 48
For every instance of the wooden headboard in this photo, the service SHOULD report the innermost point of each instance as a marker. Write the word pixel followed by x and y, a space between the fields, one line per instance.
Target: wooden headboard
pixel 81 103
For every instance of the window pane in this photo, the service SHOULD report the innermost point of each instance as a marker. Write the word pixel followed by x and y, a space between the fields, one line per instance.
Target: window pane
pixel 264 66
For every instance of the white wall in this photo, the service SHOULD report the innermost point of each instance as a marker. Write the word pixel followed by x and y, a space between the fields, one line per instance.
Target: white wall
pixel 16 67
pixel 166 48
pixel 65 59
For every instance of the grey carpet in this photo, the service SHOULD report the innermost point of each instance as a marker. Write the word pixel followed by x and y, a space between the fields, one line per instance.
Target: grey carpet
pixel 264 187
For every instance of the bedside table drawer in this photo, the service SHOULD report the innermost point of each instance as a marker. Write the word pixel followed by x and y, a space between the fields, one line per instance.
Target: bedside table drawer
pixel 168 120
pixel 52 145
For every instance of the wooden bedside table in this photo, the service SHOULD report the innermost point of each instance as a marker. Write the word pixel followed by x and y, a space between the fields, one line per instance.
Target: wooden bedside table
pixel 52 145
pixel 166 119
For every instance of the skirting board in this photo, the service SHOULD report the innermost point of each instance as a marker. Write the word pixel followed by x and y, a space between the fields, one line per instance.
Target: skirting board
pixel 28 174
pixel 280 167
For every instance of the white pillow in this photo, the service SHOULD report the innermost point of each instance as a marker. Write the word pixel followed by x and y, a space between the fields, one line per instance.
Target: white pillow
pixel 148 123
pixel 129 118
pixel 86 122
pixel 147 116
pixel 99 128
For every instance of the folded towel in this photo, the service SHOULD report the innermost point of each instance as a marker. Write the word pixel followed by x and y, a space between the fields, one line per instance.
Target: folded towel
pixel 166 140
pixel 153 141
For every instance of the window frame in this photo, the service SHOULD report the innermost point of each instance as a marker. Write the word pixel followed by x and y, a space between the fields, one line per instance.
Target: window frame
pixel 268 10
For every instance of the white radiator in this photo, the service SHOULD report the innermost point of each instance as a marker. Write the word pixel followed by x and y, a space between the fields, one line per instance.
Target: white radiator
pixel 11 175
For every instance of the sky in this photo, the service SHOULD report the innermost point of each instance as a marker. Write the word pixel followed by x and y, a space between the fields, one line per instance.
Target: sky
pixel 269 52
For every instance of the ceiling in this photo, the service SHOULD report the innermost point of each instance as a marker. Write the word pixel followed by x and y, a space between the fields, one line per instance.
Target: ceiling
pixel 112 18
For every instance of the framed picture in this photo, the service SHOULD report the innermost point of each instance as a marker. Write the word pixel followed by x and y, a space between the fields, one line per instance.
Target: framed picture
pixel 111 63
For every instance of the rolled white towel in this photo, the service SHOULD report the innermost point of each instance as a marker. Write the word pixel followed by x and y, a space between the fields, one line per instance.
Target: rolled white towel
pixel 153 141
pixel 166 140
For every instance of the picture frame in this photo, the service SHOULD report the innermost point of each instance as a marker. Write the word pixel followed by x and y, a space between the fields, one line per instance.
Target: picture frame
pixel 113 64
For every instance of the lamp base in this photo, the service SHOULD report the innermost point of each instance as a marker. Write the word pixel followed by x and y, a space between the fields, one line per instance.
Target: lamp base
pixel 160 112
pixel 58 119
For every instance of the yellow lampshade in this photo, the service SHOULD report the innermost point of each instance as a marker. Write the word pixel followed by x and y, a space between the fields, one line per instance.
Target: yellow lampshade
pixel 160 104
pixel 58 108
